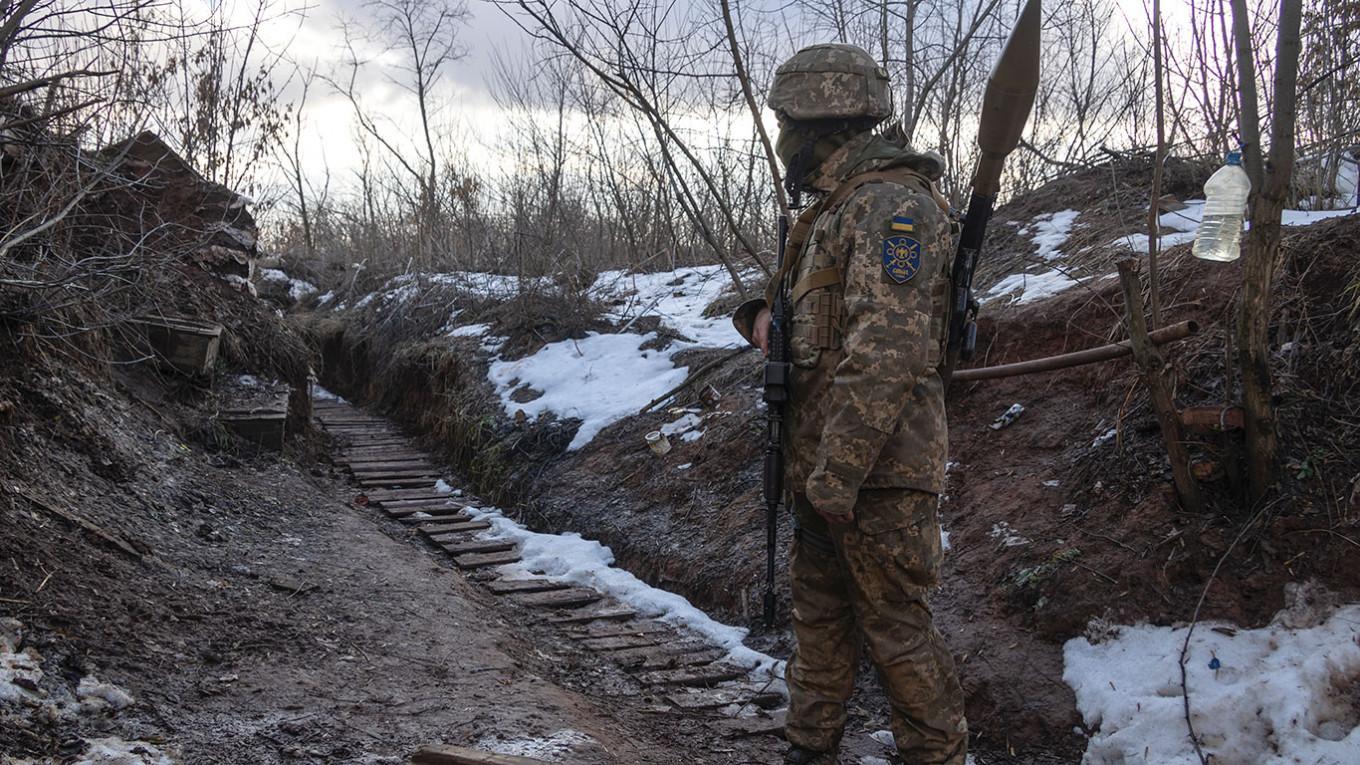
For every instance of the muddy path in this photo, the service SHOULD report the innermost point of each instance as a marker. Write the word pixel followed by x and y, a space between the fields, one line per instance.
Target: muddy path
pixel 255 614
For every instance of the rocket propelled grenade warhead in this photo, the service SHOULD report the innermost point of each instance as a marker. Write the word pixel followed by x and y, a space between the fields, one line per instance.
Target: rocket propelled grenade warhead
pixel 1006 105
pixel 1008 100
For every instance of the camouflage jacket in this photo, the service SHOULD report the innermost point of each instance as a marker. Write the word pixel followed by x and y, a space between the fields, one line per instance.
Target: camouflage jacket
pixel 867 400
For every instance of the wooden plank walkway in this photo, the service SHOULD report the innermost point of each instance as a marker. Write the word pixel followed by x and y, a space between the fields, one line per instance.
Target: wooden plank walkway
pixel 398 479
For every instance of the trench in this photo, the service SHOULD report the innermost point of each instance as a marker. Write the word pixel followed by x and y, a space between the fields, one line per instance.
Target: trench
pixel 696 546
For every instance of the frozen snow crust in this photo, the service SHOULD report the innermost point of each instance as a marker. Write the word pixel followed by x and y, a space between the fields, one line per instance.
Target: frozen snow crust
pixel 1271 696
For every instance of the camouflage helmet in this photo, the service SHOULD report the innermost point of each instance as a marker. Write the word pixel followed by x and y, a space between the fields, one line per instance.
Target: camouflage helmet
pixel 831 81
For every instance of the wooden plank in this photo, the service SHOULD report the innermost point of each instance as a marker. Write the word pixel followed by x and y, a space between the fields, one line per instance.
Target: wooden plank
pixel 396 482
pixel 383 475
pixel 510 586
pixel 621 642
pixel 444 754
pixel 697 677
pixel 417 519
pixel 380 495
pixel 583 615
pixel 663 656
pixel 614 630
pixel 379 453
pixel 572 597
pixel 389 464
pixel 715 698
pixel 738 727
pixel 436 530
pixel 418 514
pixel 478 546
pixel 437 500
pixel 675 660
pixel 476 560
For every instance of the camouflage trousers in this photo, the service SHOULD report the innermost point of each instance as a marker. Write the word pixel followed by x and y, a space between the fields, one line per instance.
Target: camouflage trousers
pixel 867 581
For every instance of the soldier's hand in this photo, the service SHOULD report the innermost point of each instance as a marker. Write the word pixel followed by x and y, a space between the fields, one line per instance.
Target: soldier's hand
pixel 760 331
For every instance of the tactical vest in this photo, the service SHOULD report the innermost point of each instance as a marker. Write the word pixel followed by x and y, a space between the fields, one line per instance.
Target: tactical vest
pixel 817 280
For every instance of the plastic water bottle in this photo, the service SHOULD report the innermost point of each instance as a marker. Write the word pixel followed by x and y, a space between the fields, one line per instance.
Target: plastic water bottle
pixel 1225 201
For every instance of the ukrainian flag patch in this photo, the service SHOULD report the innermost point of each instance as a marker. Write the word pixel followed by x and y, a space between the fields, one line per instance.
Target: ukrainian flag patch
pixel 903 224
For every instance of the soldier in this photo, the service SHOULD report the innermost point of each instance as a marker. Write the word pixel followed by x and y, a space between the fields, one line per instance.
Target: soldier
pixel 867 276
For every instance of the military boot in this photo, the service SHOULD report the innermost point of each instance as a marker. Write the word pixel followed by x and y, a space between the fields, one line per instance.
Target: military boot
pixel 797 755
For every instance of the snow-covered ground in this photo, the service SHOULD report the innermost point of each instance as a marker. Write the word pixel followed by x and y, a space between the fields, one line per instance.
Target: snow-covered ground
pixel 605 377
pixel 1283 694
pixel 571 558
pixel 23 684
pixel 1050 231
pixel 297 288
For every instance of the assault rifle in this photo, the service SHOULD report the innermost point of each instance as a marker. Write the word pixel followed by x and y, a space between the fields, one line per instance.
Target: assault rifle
pixel 776 396
pixel 1006 106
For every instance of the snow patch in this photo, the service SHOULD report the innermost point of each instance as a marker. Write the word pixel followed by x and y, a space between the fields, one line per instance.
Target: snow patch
pixel 1050 231
pixel 1008 536
pixel 469 330
pixel 1278 694
pixel 97 696
pixel 553 748
pixel 687 422
pixel 1022 289
pixel 599 379
pixel 20 671
pixel 1180 226
pixel 321 394
pixel 442 487
pixel 116 751
pixel 604 378
pixel 297 288
pixel 572 558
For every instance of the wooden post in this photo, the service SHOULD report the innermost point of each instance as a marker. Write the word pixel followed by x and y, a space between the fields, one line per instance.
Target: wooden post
pixel 1150 364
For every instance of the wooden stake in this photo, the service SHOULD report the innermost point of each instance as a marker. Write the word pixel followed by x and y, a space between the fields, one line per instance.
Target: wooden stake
pixel 1150 364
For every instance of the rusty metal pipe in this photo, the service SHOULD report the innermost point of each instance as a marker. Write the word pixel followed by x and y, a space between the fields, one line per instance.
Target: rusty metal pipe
pixel 1169 334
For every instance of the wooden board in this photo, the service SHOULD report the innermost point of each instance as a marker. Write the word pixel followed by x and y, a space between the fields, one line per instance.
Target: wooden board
pixel 738 727
pixel 614 630
pixel 478 546
pixel 675 660
pixel 386 494
pixel 380 474
pixel 480 560
pixel 572 597
pixel 510 586
pixel 443 754
pixel 396 482
pixel 720 697
pixel 620 642
pixel 415 463
pixel 438 500
pixel 662 656
pixel 583 615
pixel 448 514
pixel 699 677
pixel 381 452
pixel 436 529
pixel 434 517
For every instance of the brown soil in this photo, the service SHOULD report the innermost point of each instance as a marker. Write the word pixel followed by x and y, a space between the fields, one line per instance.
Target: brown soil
pixel 256 616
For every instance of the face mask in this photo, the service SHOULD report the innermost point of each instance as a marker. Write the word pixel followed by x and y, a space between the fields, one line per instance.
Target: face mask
pixel 787 144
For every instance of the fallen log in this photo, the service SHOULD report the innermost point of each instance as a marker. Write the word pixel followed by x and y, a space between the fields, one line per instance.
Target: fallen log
pixel 1169 334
